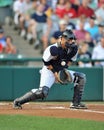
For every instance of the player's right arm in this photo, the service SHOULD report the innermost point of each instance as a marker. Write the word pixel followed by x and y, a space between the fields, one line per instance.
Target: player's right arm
pixel 50 53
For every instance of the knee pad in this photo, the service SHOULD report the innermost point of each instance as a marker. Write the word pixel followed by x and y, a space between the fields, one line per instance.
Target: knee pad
pixel 79 80
pixel 42 92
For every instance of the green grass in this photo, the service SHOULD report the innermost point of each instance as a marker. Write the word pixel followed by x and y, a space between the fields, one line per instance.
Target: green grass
pixel 22 122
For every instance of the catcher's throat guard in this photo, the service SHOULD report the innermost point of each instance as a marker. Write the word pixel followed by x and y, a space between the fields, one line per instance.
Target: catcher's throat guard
pixel 64 77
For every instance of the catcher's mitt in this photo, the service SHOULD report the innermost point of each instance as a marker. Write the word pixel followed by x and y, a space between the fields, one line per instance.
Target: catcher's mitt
pixel 64 77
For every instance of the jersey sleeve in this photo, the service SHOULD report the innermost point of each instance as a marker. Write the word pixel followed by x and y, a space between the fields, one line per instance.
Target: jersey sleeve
pixel 74 57
pixel 74 53
pixel 47 56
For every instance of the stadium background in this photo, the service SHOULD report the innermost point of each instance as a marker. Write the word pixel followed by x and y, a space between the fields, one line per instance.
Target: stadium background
pixel 16 80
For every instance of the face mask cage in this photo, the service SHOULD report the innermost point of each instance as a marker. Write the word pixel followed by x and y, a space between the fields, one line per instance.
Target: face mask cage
pixel 69 36
pixel 68 43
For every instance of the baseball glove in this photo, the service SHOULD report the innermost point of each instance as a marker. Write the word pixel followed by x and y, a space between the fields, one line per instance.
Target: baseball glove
pixel 64 77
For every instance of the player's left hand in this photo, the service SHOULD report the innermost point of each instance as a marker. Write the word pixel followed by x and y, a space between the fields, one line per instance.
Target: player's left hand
pixel 64 77
pixel 57 78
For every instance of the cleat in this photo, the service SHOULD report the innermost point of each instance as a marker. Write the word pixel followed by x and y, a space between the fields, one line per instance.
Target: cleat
pixel 78 106
pixel 16 105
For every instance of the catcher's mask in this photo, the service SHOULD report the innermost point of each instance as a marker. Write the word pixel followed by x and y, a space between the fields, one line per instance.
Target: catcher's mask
pixel 69 35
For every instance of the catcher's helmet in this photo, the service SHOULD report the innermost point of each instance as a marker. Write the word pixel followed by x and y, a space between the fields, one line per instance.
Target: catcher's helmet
pixel 68 34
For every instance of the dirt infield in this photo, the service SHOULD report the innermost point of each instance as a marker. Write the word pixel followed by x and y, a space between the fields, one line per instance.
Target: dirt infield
pixel 53 109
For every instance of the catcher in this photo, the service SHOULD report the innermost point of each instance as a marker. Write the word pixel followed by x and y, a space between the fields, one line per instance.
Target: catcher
pixel 56 58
